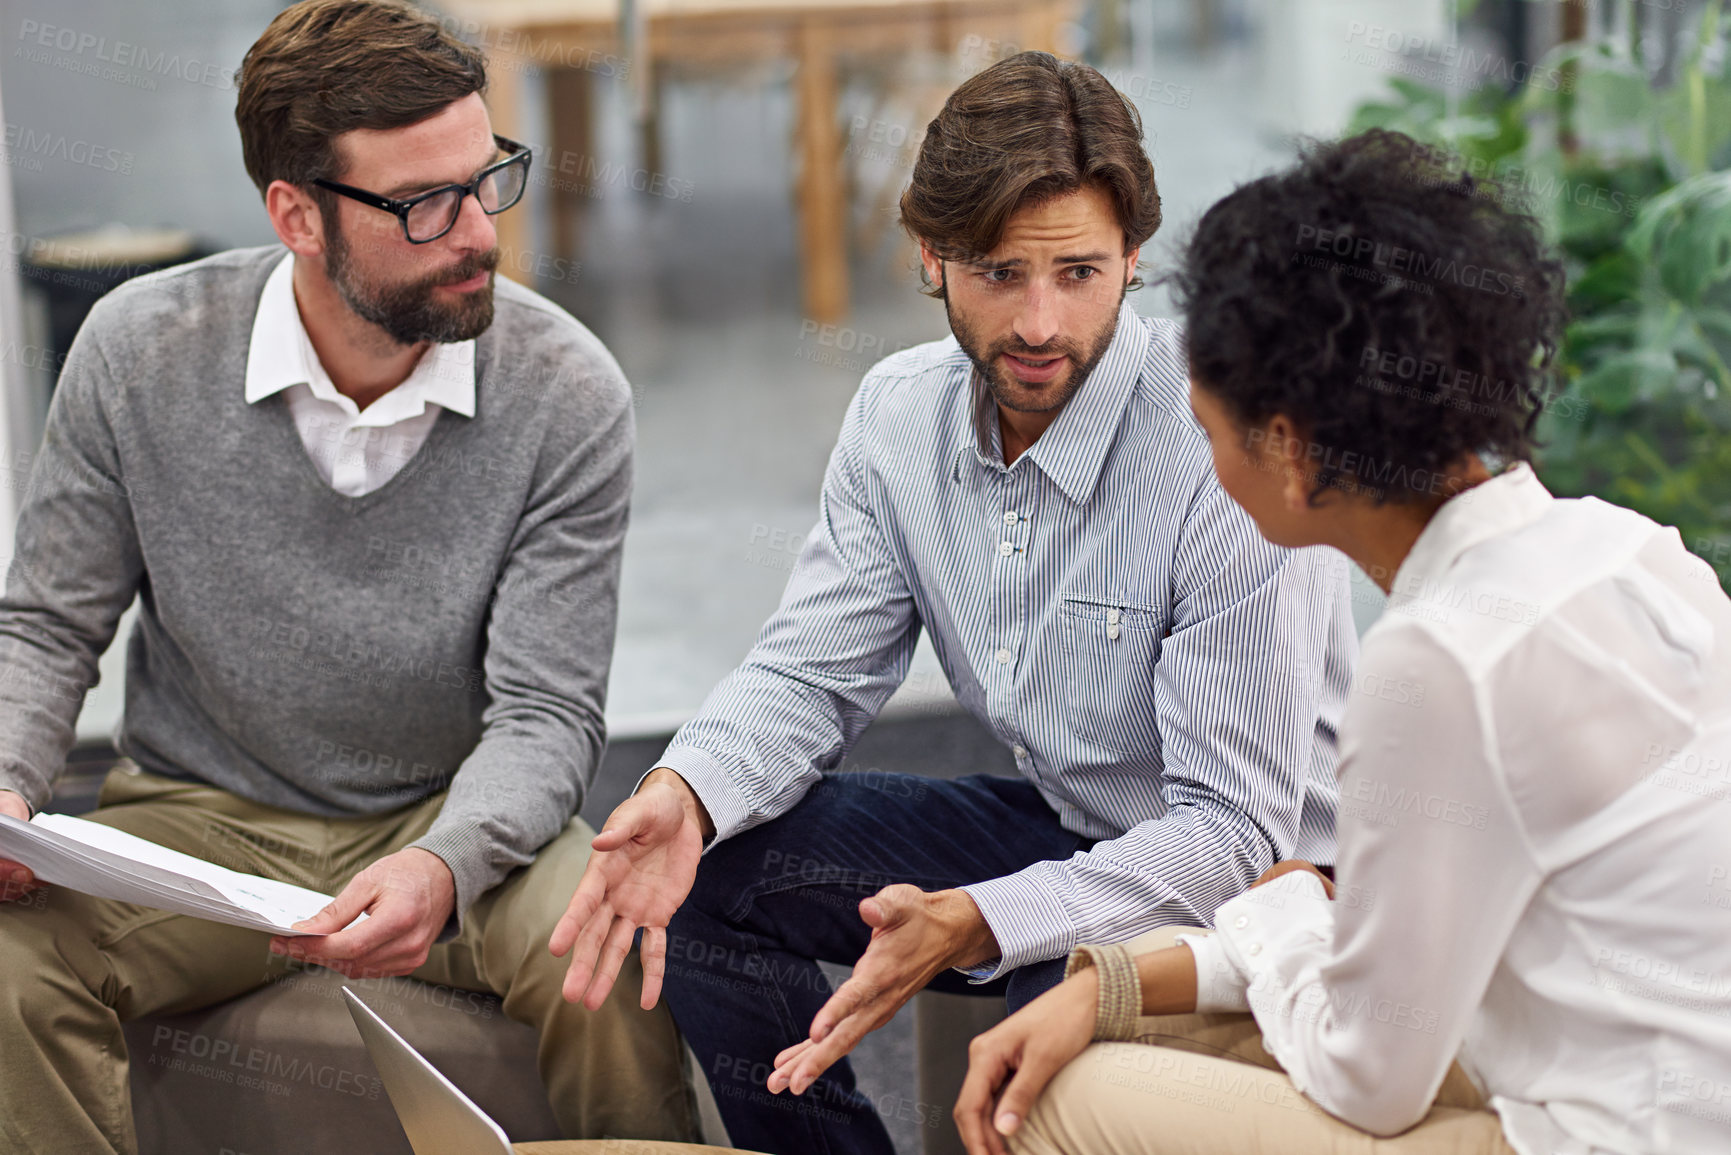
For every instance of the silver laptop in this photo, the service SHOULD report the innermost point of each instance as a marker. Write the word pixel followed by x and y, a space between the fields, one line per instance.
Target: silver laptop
pixel 438 1118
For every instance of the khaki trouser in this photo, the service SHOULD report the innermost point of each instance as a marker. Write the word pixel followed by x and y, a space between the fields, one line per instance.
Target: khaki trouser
pixel 73 968
pixel 1204 1085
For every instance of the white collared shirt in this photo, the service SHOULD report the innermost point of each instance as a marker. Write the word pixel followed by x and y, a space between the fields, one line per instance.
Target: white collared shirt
pixel 355 451
pixel 1535 844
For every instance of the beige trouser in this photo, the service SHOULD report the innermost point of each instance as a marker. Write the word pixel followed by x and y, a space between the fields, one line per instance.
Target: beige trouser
pixel 73 968
pixel 1204 1085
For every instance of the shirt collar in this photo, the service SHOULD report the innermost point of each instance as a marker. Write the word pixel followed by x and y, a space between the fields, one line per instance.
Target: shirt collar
pixel 1509 501
pixel 1073 450
pixel 281 355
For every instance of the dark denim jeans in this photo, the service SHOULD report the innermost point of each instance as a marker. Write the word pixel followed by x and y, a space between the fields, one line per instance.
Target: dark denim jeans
pixel 742 973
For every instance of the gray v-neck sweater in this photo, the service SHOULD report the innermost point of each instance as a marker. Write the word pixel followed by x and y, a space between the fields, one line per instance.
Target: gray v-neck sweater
pixel 326 654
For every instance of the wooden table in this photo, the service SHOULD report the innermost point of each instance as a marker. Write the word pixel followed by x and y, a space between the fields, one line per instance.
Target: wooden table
pixel 572 40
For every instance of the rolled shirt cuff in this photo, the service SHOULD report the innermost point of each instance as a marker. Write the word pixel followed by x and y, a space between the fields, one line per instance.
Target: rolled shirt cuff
pixel 1253 932
pixel 1220 988
pixel 1028 921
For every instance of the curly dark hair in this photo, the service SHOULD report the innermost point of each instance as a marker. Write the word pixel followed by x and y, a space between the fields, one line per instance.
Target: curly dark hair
pixel 1390 306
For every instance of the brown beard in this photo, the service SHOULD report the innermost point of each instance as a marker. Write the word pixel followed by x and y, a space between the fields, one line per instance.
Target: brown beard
pixel 1002 384
pixel 410 313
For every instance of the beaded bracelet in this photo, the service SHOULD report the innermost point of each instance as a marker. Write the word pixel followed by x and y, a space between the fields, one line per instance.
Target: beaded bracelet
pixel 1120 998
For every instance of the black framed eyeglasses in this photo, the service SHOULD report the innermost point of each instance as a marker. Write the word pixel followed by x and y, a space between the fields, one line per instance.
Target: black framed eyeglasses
pixel 430 215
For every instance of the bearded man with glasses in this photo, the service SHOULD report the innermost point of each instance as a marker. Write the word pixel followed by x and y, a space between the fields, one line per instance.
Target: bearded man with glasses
pixel 371 503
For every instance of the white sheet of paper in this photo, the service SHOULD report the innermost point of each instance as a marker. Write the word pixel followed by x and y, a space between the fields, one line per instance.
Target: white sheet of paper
pixel 108 863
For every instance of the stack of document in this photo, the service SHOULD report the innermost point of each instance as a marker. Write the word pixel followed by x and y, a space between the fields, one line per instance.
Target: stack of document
pixel 108 863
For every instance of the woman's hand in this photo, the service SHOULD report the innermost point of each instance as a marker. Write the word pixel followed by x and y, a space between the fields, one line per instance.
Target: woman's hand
pixel 1027 1049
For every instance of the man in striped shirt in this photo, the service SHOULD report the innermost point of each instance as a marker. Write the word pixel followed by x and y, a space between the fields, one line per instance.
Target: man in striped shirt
pixel 1035 494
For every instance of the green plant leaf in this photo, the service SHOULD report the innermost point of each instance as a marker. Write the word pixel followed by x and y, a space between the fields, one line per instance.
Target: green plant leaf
pixel 1606 283
pixel 1696 122
pixel 1636 196
pixel 1686 233
pixel 1611 93
pixel 1691 346
pixel 1616 382
pixel 1715 323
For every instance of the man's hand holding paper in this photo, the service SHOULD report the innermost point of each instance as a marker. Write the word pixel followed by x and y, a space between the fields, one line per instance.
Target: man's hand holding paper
pixel 16 879
pixel 406 898
pixel 100 860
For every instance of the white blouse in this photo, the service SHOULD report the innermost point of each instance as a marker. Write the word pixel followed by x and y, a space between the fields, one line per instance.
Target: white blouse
pixel 1535 844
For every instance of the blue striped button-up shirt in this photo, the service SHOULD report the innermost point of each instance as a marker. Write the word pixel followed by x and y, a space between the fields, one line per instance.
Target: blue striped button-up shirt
pixel 1168 680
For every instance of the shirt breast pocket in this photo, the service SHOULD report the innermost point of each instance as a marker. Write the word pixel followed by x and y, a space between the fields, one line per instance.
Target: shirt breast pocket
pixel 1109 649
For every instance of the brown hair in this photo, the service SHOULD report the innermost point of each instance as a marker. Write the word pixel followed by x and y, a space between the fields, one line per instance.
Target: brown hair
pixel 1029 128
pixel 324 67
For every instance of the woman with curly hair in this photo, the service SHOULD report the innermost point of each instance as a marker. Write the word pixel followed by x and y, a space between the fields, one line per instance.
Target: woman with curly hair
pixel 1524 946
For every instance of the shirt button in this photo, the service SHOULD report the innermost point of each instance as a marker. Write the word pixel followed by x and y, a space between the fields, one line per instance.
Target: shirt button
pixel 1006 548
pixel 1021 751
pixel 1240 922
pixel 1253 948
pixel 1009 517
pixel 1004 657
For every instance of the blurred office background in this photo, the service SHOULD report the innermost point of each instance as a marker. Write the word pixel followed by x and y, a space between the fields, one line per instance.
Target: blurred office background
pixel 676 212
pixel 715 196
